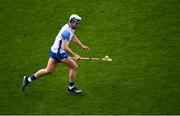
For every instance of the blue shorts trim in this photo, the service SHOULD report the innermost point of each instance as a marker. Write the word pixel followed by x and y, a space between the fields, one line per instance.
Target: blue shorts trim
pixel 59 57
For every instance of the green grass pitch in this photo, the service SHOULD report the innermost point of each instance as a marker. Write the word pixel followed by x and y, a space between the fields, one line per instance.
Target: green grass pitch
pixel 141 36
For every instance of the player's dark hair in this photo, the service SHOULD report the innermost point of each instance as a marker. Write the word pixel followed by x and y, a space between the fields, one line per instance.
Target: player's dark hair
pixel 74 20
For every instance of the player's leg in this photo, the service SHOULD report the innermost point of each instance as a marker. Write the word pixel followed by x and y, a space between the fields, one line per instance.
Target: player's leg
pixel 49 69
pixel 72 75
pixel 73 68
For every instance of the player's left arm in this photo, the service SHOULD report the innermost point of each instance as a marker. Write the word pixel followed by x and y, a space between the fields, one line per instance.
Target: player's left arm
pixel 78 42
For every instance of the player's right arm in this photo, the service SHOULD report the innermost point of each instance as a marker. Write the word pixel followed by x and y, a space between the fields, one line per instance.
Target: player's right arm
pixel 65 45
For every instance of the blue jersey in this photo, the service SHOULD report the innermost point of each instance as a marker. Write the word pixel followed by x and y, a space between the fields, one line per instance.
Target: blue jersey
pixel 66 33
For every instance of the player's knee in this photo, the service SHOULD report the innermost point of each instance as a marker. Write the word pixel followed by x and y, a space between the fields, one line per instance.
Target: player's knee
pixel 49 71
pixel 75 67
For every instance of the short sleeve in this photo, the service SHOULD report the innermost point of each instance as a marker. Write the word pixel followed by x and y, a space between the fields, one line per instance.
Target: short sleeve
pixel 65 35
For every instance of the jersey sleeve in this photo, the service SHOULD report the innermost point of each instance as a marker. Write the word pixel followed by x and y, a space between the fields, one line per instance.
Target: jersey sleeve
pixel 65 35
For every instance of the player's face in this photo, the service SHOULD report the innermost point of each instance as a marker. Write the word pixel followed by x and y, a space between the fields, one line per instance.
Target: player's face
pixel 75 25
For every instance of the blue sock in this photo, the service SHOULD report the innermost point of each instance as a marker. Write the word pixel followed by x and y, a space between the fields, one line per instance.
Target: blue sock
pixel 71 85
pixel 31 78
